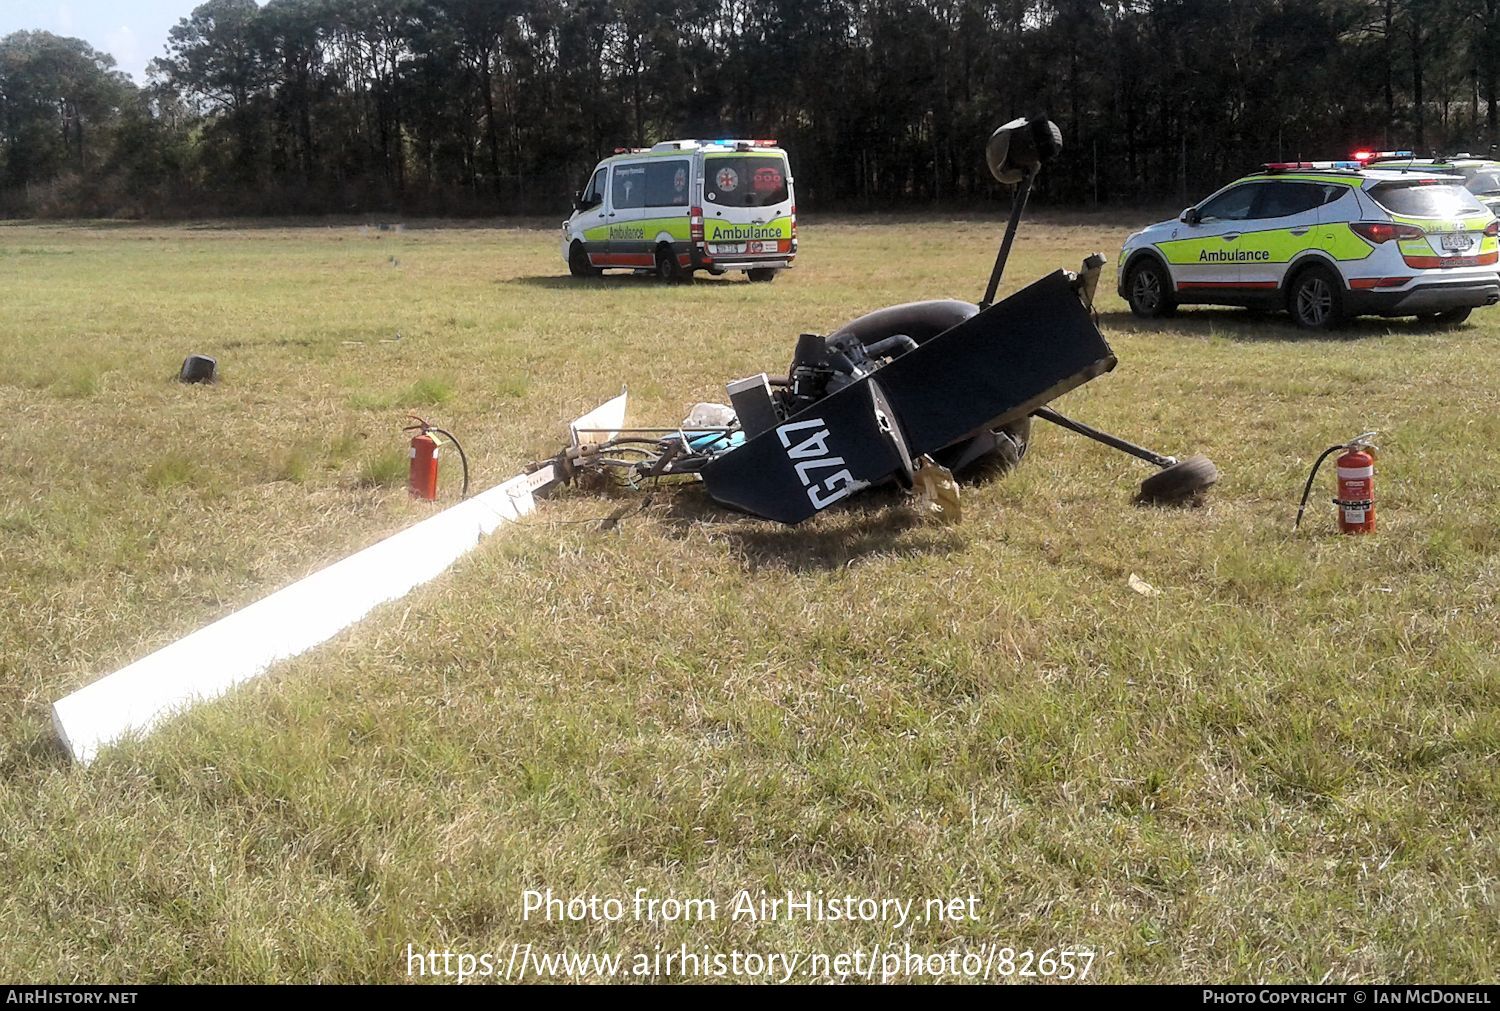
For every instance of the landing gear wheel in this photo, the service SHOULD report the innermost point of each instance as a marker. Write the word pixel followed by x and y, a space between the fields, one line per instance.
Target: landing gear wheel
pixel 1452 317
pixel 764 275
pixel 1148 289
pixel 578 262
pixel 667 267
pixel 1184 481
pixel 1316 299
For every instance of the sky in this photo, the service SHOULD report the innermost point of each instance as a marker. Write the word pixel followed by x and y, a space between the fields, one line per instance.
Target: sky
pixel 134 32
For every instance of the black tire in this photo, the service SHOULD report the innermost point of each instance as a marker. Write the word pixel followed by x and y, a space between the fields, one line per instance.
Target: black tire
pixel 1447 318
pixel 667 267
pixel 921 321
pixel 1315 298
pixel 578 262
pixel 1148 289
pixel 1183 481
pixel 762 275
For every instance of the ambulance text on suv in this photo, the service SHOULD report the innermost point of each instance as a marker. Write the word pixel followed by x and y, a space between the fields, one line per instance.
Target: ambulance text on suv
pixel 1325 240
pixel 686 205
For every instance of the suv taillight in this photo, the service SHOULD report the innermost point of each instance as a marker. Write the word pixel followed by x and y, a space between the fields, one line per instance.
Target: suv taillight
pixel 695 224
pixel 1493 228
pixel 1376 232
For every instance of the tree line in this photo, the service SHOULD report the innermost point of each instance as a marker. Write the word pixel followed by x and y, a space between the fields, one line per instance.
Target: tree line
pixel 502 106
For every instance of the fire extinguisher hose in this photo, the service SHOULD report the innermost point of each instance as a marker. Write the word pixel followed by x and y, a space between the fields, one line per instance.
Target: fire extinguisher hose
pixel 461 457
pixel 1307 488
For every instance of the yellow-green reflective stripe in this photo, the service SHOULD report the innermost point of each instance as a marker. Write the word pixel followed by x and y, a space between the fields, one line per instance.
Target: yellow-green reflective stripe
pixel 675 226
pixel 1340 242
pixel 1180 251
pixel 680 230
pixel 1304 178
pixel 1271 245
pixel 1278 244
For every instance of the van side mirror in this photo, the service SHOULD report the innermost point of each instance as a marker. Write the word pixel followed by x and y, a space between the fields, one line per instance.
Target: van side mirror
pixel 578 203
pixel 1191 216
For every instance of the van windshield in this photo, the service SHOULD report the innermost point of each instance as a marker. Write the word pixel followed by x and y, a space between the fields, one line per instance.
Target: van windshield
pixel 1426 200
pixel 745 180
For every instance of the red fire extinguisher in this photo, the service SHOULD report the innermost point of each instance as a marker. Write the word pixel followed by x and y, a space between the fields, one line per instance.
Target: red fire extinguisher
pixel 1356 499
pixel 1356 485
pixel 422 476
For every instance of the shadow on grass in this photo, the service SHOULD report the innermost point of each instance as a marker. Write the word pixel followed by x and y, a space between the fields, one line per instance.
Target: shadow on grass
pixel 75 224
pixel 1262 325
pixel 880 522
pixel 392 225
pixel 566 282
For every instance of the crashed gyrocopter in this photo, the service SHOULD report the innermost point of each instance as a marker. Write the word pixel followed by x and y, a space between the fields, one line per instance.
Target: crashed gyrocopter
pixel 914 393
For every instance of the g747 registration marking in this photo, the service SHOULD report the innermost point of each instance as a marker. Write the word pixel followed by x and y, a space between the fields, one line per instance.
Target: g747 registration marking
pixel 811 455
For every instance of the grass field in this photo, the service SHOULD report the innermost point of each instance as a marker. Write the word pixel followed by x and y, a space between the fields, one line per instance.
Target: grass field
pixel 1282 766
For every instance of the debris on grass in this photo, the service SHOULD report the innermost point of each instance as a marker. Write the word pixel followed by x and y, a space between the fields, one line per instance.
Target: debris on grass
pixel 198 369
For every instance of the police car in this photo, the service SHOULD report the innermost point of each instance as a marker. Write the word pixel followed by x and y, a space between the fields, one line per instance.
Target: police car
pixel 686 205
pixel 1326 241
pixel 1481 176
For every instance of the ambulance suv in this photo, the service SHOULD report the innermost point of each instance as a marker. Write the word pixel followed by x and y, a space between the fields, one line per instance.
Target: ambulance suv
pixel 1325 241
pixel 683 206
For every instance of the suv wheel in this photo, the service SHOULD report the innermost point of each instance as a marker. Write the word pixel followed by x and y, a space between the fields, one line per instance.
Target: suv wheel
pixel 763 275
pixel 1316 299
pixel 1148 290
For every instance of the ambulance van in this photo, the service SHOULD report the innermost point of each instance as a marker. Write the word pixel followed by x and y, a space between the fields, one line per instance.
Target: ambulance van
pixel 684 206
